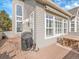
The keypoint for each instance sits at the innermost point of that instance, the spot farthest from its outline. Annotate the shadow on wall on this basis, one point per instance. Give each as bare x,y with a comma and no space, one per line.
71,55
6,56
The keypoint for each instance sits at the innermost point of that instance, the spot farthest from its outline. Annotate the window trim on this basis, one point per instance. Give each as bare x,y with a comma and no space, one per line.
16,11
65,23
22,5
19,9
58,27
22,26
54,28
71,26
48,37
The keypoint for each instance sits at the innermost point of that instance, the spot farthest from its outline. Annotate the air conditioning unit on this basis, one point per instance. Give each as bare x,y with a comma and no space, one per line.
26,40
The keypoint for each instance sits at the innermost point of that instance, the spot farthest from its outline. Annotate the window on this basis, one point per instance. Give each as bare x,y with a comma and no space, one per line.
19,12
19,18
58,26
65,26
78,24
19,26
49,25
54,27
72,26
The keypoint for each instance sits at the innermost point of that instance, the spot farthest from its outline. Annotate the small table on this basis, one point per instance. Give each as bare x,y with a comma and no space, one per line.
71,40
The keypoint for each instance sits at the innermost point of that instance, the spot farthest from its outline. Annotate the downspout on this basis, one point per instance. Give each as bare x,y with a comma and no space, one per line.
34,27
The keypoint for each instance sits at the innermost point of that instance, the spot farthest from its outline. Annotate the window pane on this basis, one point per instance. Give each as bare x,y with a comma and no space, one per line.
65,26
50,31
58,26
19,18
77,26
19,10
50,23
72,26
47,23
19,26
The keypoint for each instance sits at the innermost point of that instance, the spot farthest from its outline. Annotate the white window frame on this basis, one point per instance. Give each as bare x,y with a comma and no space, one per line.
54,28
66,28
77,24
48,37
21,26
22,5
58,27
71,26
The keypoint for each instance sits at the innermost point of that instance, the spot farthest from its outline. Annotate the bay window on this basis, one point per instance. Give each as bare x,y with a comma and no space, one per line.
55,26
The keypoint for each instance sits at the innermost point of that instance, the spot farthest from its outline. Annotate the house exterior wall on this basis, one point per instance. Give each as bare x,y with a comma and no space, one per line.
14,20
40,28
39,22
76,20
41,40
28,8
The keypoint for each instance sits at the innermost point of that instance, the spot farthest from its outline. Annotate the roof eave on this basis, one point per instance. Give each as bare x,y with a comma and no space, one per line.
53,5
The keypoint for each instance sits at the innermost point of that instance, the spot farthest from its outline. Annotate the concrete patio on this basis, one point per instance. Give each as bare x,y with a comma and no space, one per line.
11,50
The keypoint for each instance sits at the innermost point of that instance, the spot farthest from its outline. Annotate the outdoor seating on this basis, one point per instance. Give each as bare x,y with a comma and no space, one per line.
71,41
60,40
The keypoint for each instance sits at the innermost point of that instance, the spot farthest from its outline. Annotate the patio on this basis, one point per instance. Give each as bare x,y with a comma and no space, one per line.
11,50
70,40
